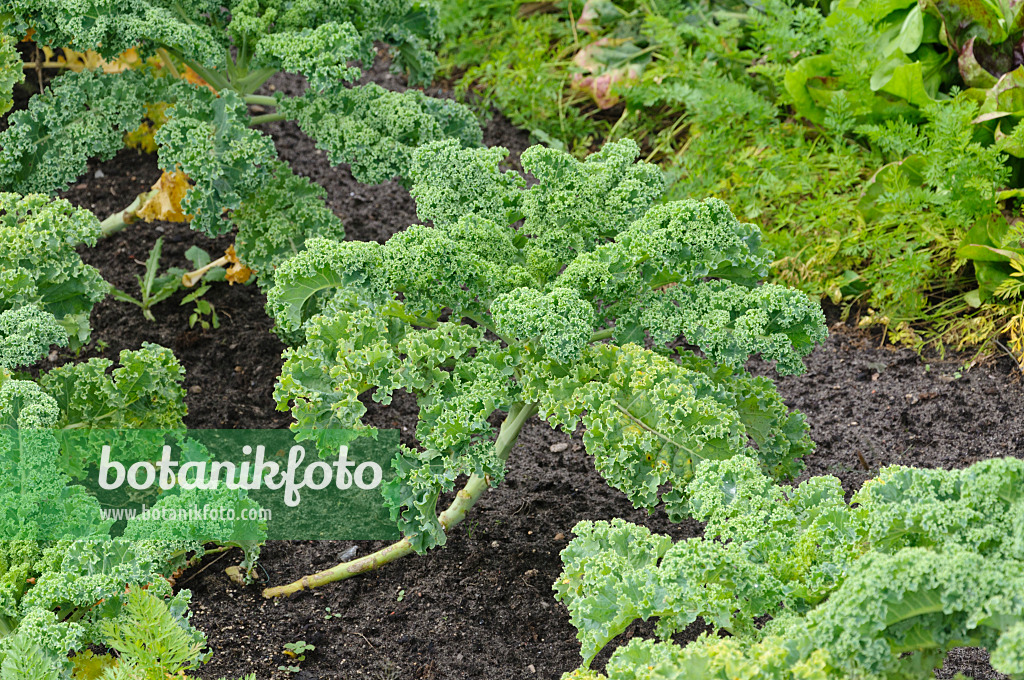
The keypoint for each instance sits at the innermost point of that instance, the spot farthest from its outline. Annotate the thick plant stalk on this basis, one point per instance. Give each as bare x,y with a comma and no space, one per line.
123,218
456,512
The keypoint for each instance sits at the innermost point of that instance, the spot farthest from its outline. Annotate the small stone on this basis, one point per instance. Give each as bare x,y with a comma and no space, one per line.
494,544
531,668
99,174
559,536
238,369
559,447
196,389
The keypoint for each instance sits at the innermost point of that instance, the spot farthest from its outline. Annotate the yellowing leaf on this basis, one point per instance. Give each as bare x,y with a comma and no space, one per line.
236,272
80,61
142,137
165,203
192,77
89,666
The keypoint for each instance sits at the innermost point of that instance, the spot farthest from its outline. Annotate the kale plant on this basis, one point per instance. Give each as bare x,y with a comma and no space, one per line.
882,586
544,300
212,57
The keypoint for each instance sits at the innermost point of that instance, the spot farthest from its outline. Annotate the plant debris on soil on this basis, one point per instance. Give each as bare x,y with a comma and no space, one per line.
482,607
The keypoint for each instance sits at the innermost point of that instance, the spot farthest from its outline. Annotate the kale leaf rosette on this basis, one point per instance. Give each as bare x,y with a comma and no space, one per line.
581,298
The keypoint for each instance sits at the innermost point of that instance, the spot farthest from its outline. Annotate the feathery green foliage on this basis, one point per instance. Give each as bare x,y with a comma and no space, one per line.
65,583
842,133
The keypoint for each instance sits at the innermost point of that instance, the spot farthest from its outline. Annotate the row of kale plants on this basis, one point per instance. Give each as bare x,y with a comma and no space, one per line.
568,302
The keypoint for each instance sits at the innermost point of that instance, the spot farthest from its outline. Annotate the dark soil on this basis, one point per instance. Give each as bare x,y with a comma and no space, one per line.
482,607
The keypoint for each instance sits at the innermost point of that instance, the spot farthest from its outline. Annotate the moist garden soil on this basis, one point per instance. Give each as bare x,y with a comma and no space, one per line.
482,607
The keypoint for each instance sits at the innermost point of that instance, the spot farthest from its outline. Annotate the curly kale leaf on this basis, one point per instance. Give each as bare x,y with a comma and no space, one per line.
38,502
350,352
275,224
420,263
919,601
344,355
305,283
189,534
24,405
321,54
375,130
561,322
209,138
111,27
590,253
848,593
450,182
144,392
575,205
730,322
651,421
39,265
410,27
978,509
79,117
11,72
26,335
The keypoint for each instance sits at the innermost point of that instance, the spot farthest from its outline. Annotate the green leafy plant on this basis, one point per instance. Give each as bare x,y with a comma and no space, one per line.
61,573
39,266
213,58
520,327
296,651
843,136
204,313
153,289
917,562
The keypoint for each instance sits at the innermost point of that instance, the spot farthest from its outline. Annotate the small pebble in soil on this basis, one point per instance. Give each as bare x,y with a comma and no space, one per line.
559,536
531,668
559,447
100,174
494,544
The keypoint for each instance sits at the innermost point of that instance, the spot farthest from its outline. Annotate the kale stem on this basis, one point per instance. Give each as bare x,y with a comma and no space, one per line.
165,57
266,118
122,218
517,416
260,99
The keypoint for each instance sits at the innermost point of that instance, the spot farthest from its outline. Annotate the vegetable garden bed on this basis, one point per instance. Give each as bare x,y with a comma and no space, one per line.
483,607
560,308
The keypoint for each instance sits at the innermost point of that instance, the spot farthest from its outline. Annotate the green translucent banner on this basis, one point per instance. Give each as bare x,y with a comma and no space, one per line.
227,486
